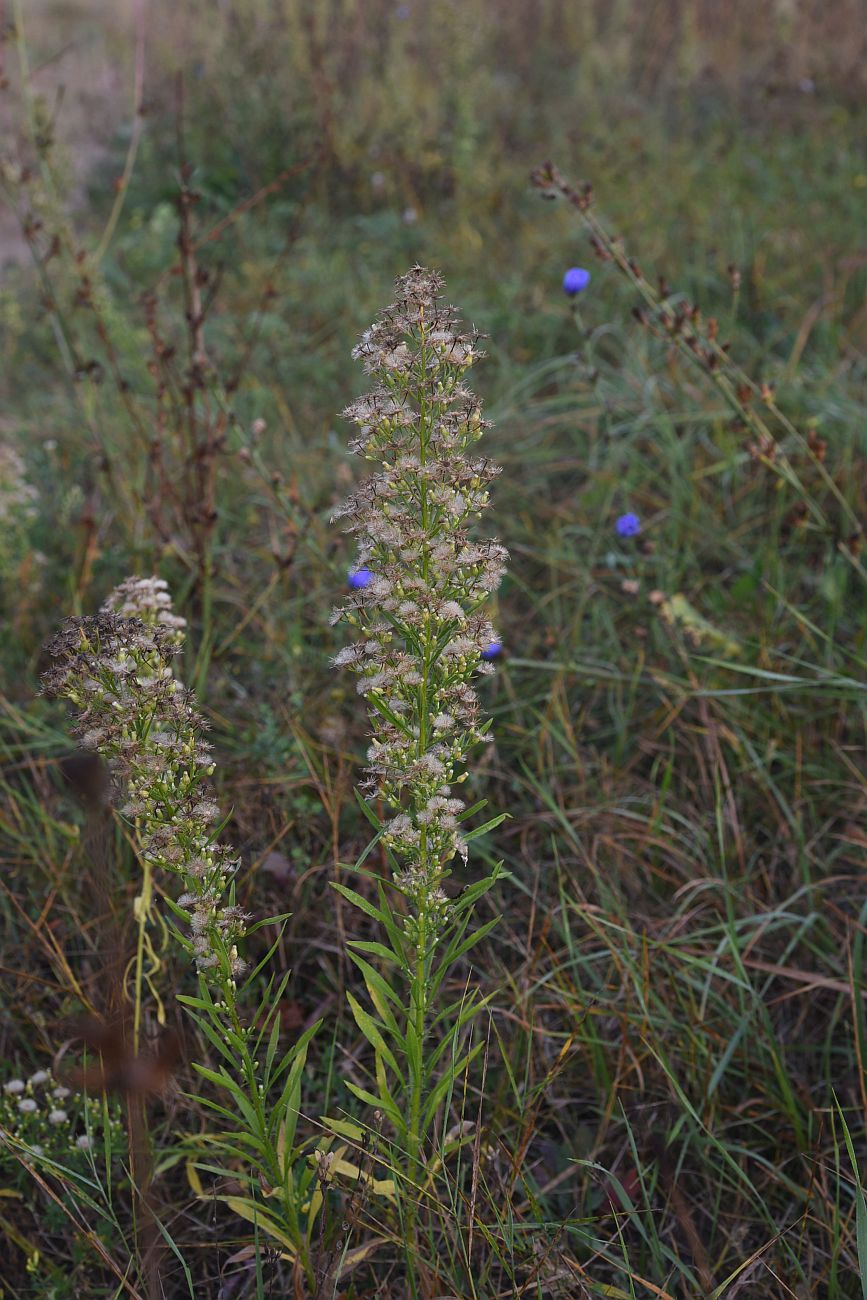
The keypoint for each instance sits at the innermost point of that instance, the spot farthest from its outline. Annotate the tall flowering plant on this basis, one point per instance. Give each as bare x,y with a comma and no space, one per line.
424,635
116,670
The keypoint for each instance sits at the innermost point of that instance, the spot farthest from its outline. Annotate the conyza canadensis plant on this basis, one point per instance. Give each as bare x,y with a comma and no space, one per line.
116,669
421,584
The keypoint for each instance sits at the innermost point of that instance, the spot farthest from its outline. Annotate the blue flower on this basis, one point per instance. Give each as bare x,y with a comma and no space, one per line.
575,280
492,650
628,525
360,578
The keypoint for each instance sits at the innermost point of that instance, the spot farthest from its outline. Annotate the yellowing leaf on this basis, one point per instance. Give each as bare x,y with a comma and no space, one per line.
313,1209
359,1254
381,1186
253,1214
194,1180
344,1128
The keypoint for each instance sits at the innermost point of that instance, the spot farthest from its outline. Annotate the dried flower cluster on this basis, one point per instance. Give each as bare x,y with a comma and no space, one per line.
422,610
116,669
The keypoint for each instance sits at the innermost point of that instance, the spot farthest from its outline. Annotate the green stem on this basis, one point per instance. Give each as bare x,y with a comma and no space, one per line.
417,1079
142,914
419,1011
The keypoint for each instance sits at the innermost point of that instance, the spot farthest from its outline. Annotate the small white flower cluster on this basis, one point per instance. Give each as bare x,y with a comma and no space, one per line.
50,1119
116,669
422,611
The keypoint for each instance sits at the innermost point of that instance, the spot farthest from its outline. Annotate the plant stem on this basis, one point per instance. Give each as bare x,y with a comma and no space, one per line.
142,914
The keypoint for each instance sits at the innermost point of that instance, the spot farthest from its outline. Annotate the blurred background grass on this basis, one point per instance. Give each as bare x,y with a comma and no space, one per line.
683,933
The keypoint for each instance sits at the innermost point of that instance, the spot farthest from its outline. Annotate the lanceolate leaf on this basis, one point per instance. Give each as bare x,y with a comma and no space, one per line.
381,993
452,1074
359,901
375,949
453,954
469,1009
483,830
253,1213
373,1034
381,1103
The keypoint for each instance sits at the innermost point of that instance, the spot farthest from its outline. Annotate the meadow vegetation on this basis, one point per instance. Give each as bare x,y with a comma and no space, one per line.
638,1069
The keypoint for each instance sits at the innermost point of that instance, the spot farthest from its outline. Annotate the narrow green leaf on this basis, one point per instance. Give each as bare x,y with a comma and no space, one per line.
260,965
386,1093
358,901
376,702
268,920
378,1103
368,811
860,1203
474,892
447,1081
373,1034
393,930
187,1001
226,1082
297,1049
375,949
454,954
211,1105
412,1047
381,993
215,1037
221,1079
272,1047
483,830
471,811
468,1011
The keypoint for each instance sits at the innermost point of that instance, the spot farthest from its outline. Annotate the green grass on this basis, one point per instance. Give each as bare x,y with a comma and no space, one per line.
671,1098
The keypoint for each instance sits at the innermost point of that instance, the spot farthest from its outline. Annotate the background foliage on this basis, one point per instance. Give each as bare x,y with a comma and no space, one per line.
672,1095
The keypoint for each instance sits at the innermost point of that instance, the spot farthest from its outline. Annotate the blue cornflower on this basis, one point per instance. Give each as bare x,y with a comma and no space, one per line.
360,578
628,525
492,650
575,280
